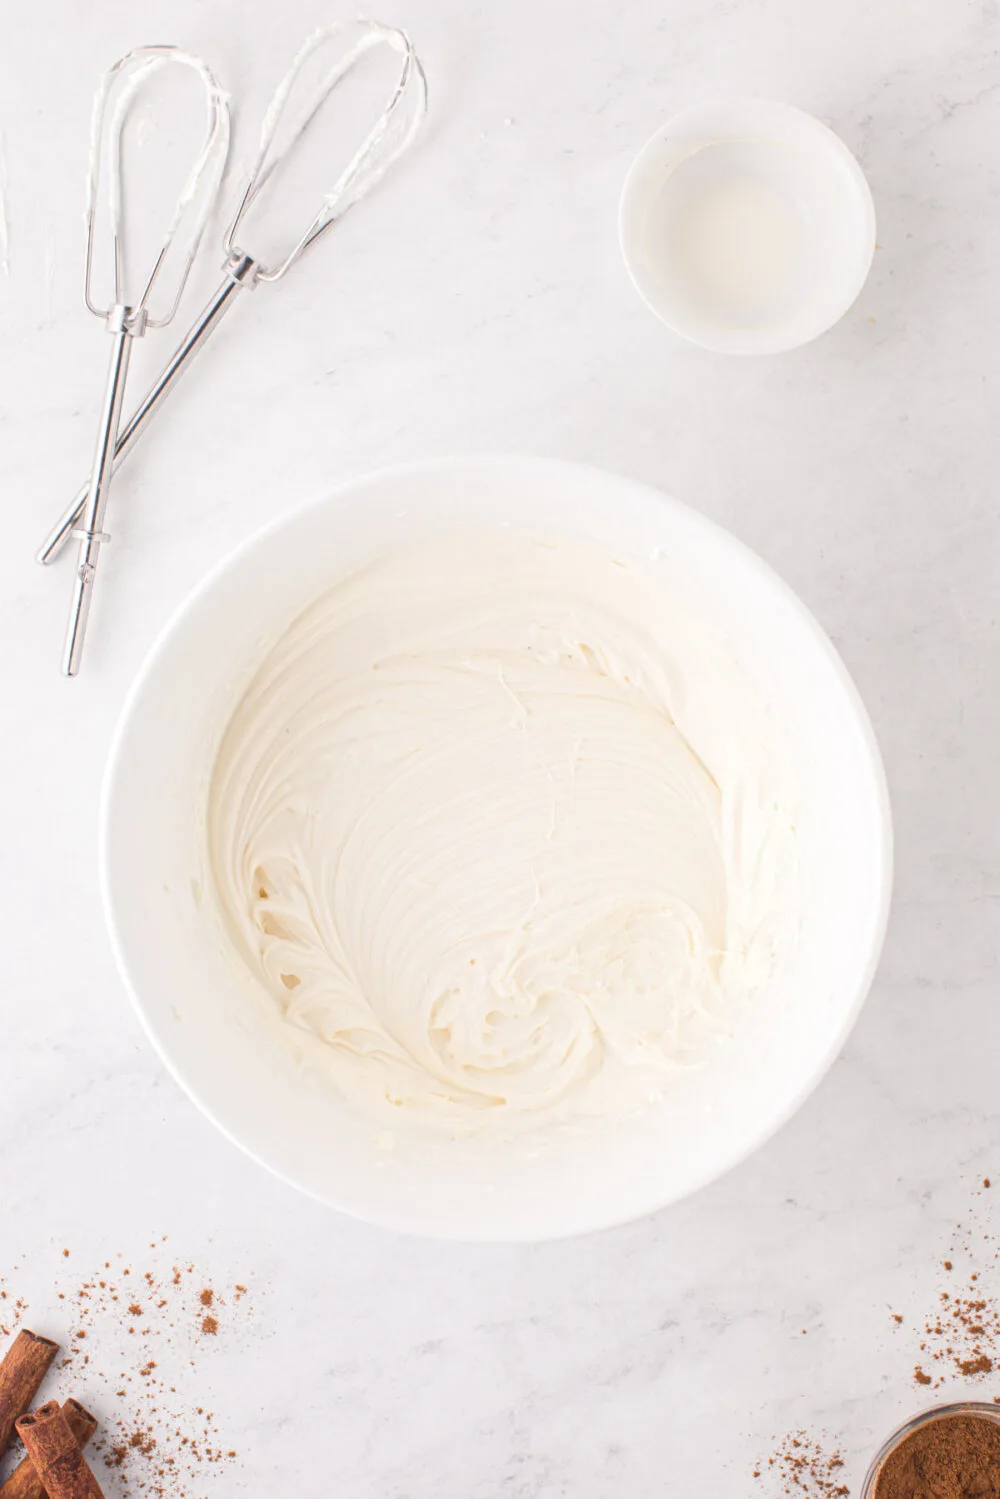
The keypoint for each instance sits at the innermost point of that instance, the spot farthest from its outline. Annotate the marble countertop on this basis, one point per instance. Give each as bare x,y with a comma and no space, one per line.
478,302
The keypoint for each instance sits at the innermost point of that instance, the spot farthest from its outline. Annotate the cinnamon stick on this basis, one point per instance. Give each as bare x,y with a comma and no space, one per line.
21,1372
55,1455
24,1482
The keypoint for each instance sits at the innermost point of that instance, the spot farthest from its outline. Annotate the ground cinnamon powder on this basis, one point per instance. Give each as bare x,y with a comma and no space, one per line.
954,1457
805,1468
155,1441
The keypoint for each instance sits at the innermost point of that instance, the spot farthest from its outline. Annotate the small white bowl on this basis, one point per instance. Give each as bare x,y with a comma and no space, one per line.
233,1056
747,226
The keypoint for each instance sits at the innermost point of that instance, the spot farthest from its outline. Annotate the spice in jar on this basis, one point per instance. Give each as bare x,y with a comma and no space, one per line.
949,1457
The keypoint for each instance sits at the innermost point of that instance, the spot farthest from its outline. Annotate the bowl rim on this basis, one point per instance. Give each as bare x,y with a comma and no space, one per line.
780,338
400,1220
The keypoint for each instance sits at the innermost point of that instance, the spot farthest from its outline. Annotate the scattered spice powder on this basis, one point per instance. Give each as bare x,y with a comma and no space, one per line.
953,1457
960,1339
804,1467
157,1445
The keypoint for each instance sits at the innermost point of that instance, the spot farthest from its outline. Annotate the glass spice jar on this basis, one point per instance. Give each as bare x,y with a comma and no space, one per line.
977,1408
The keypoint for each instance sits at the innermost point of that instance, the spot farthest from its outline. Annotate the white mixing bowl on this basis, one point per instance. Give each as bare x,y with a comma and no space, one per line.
190,991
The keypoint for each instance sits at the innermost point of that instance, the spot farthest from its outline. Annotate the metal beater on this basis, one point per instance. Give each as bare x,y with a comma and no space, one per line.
127,320
388,139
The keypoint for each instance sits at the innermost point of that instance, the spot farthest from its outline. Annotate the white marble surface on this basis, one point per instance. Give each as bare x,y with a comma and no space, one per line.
479,303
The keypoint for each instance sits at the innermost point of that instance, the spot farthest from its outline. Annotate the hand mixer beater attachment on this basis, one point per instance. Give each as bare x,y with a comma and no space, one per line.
128,319
290,113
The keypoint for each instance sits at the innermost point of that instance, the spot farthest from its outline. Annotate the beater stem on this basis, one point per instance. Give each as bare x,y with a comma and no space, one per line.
123,325
240,272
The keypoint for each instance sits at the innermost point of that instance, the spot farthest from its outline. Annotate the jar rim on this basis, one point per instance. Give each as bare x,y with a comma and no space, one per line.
985,1409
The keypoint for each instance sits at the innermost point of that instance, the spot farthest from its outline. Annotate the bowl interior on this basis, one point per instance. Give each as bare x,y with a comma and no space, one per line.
747,226
200,1008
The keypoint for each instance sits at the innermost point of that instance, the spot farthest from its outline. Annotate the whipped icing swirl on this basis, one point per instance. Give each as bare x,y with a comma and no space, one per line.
462,835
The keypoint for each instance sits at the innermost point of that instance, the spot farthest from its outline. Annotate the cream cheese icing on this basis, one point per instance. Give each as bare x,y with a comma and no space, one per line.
504,832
